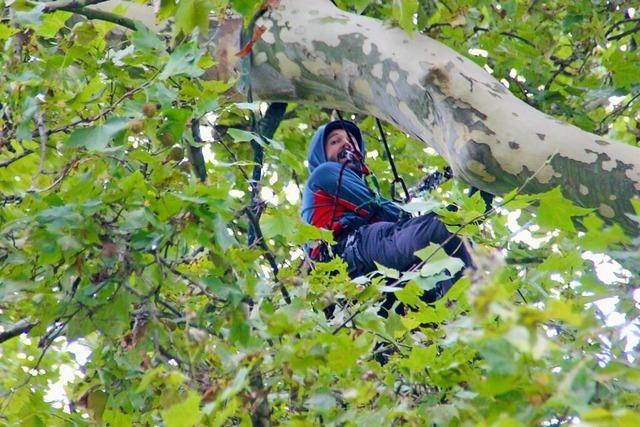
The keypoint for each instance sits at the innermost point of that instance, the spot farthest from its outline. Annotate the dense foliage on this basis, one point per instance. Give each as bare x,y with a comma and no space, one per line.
125,231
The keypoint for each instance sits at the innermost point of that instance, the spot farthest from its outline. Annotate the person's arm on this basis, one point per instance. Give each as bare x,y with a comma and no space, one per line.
353,193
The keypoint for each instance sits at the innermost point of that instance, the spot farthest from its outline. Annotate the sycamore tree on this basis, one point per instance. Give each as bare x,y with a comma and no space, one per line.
151,164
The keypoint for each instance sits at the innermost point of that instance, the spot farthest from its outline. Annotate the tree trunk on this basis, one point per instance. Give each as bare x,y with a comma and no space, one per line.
315,53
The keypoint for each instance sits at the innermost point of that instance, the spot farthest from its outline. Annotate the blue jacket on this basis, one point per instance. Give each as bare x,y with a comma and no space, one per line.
355,203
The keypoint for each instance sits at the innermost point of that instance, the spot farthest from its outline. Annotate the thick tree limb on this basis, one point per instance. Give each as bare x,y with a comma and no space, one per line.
313,52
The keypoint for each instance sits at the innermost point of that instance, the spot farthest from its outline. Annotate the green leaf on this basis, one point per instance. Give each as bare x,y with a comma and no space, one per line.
420,358
117,419
6,31
191,14
410,294
97,138
246,8
184,414
277,223
175,124
52,23
240,332
224,238
183,61
239,135
403,12
555,211
146,40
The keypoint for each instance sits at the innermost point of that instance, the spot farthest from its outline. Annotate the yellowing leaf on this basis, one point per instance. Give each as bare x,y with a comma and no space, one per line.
184,414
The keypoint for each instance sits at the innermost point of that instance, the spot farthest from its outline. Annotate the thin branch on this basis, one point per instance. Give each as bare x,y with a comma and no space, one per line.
22,327
102,114
349,319
505,33
8,162
42,130
102,15
619,23
624,34
52,6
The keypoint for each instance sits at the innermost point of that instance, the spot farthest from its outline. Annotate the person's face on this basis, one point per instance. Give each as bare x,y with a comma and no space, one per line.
336,143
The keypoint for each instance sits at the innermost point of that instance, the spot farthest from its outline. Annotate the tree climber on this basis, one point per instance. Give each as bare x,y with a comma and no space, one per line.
367,227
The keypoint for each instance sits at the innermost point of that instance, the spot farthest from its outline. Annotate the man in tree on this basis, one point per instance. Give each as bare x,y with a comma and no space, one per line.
368,228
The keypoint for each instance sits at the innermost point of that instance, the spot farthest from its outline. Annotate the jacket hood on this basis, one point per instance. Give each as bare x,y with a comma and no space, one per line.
316,155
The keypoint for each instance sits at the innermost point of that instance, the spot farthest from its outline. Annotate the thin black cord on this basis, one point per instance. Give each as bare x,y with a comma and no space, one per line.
396,176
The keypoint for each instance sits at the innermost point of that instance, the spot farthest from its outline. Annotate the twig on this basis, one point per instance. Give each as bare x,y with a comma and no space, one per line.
505,33
74,162
616,113
235,159
192,282
343,324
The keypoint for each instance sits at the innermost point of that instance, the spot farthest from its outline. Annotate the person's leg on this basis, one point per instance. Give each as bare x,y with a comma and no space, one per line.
394,244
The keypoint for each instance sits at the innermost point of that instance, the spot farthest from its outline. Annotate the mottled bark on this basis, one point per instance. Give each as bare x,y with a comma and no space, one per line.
315,53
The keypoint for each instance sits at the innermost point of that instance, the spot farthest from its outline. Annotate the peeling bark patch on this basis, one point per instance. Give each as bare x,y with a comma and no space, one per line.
287,67
606,211
260,58
376,71
583,189
514,145
438,77
602,142
268,37
479,169
541,136
481,127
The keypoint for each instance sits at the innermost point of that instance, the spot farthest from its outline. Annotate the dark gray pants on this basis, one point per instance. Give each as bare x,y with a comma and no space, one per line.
393,244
